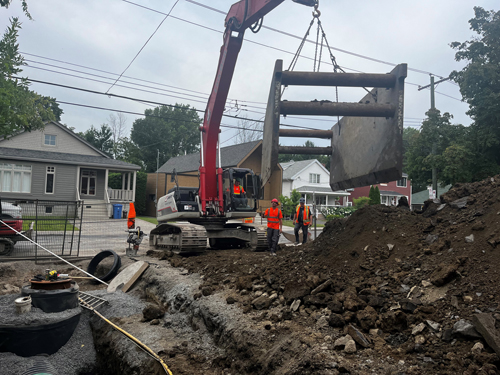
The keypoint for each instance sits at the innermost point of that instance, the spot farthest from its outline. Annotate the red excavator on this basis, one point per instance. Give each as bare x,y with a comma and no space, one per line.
208,209
366,144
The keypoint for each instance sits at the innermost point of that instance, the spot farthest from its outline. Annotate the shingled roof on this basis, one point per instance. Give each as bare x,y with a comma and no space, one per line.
64,158
231,157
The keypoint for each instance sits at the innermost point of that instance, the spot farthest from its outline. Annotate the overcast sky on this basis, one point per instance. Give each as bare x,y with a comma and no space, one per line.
179,62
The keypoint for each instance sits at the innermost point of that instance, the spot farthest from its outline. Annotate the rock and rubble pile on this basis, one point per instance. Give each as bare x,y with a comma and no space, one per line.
419,287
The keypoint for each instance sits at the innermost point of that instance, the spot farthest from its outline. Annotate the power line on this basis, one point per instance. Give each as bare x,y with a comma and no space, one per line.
144,45
147,101
289,35
156,88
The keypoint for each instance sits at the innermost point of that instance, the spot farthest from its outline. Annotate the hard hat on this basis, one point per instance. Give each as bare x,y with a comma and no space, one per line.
274,201
302,200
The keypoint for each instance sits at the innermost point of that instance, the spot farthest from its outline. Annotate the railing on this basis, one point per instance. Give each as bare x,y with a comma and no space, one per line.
120,195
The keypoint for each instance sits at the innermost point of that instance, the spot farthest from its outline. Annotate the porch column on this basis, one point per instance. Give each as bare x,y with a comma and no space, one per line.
129,175
106,195
123,181
134,185
78,183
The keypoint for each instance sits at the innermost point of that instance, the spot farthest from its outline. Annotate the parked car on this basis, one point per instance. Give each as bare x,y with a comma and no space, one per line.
11,215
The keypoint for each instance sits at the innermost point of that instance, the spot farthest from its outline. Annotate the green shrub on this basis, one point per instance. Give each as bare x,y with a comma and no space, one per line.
361,202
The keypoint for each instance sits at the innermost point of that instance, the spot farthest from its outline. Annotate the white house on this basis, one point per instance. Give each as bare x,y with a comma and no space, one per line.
311,178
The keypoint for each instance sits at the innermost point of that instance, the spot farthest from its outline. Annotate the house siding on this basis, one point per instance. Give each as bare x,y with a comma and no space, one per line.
64,184
364,191
35,141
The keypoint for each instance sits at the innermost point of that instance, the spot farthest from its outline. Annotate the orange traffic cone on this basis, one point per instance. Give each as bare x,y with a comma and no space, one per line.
131,216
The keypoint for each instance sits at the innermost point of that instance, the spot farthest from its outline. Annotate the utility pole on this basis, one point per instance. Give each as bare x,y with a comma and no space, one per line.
157,167
434,145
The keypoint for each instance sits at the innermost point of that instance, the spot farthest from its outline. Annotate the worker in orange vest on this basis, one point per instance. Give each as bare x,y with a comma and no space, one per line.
274,225
239,194
301,219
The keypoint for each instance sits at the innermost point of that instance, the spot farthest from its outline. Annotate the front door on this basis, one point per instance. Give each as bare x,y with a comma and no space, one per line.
88,182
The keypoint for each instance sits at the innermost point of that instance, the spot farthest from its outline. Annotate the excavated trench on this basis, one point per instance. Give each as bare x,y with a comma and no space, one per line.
199,333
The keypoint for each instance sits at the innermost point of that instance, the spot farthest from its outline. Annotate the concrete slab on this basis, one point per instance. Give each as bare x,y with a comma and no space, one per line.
128,276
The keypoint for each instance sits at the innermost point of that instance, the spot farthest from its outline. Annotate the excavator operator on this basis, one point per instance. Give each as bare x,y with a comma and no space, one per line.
239,194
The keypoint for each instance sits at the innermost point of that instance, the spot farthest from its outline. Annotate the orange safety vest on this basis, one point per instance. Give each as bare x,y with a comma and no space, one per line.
273,217
238,189
306,214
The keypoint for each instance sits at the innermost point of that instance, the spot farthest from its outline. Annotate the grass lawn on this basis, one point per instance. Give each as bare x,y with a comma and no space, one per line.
149,219
289,223
46,224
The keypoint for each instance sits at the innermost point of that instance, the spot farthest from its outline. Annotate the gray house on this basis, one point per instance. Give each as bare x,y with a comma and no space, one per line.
57,165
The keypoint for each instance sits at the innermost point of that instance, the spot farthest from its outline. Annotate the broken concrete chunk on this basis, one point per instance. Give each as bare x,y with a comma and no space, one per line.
358,336
426,283
341,342
420,340
460,203
295,305
435,326
323,287
477,348
350,347
418,329
390,246
485,324
469,239
466,329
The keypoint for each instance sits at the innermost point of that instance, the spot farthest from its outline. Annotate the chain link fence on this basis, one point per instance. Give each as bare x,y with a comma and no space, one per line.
68,229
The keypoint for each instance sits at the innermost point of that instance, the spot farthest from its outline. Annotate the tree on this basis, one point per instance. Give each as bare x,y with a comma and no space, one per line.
99,138
171,130
118,127
479,83
20,108
427,147
250,131
6,3
376,195
323,159
371,195
128,151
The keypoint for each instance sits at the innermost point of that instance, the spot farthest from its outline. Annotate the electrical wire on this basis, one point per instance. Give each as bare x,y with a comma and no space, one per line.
144,45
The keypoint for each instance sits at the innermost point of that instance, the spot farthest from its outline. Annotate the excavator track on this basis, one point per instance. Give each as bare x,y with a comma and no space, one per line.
261,237
181,238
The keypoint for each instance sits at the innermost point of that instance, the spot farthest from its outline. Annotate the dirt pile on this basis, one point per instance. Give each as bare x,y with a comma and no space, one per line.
385,282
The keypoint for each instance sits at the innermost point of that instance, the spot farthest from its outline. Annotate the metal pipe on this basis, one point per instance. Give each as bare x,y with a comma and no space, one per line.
299,133
338,79
337,109
201,149
305,150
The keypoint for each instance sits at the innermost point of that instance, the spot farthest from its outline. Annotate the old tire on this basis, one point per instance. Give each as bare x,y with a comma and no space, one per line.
117,263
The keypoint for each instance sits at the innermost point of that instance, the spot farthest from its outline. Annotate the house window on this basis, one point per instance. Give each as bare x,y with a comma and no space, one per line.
401,183
49,180
321,200
383,199
48,209
314,178
15,178
50,140
88,182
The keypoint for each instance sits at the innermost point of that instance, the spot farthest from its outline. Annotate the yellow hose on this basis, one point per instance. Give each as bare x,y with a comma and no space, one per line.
140,344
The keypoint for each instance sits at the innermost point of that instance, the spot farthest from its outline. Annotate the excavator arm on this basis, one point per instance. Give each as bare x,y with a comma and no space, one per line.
241,16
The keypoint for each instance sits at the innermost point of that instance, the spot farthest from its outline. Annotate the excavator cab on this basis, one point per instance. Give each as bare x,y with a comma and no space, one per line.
241,190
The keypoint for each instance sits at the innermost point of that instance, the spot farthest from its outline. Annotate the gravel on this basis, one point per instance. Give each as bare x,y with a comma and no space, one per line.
78,356
9,316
